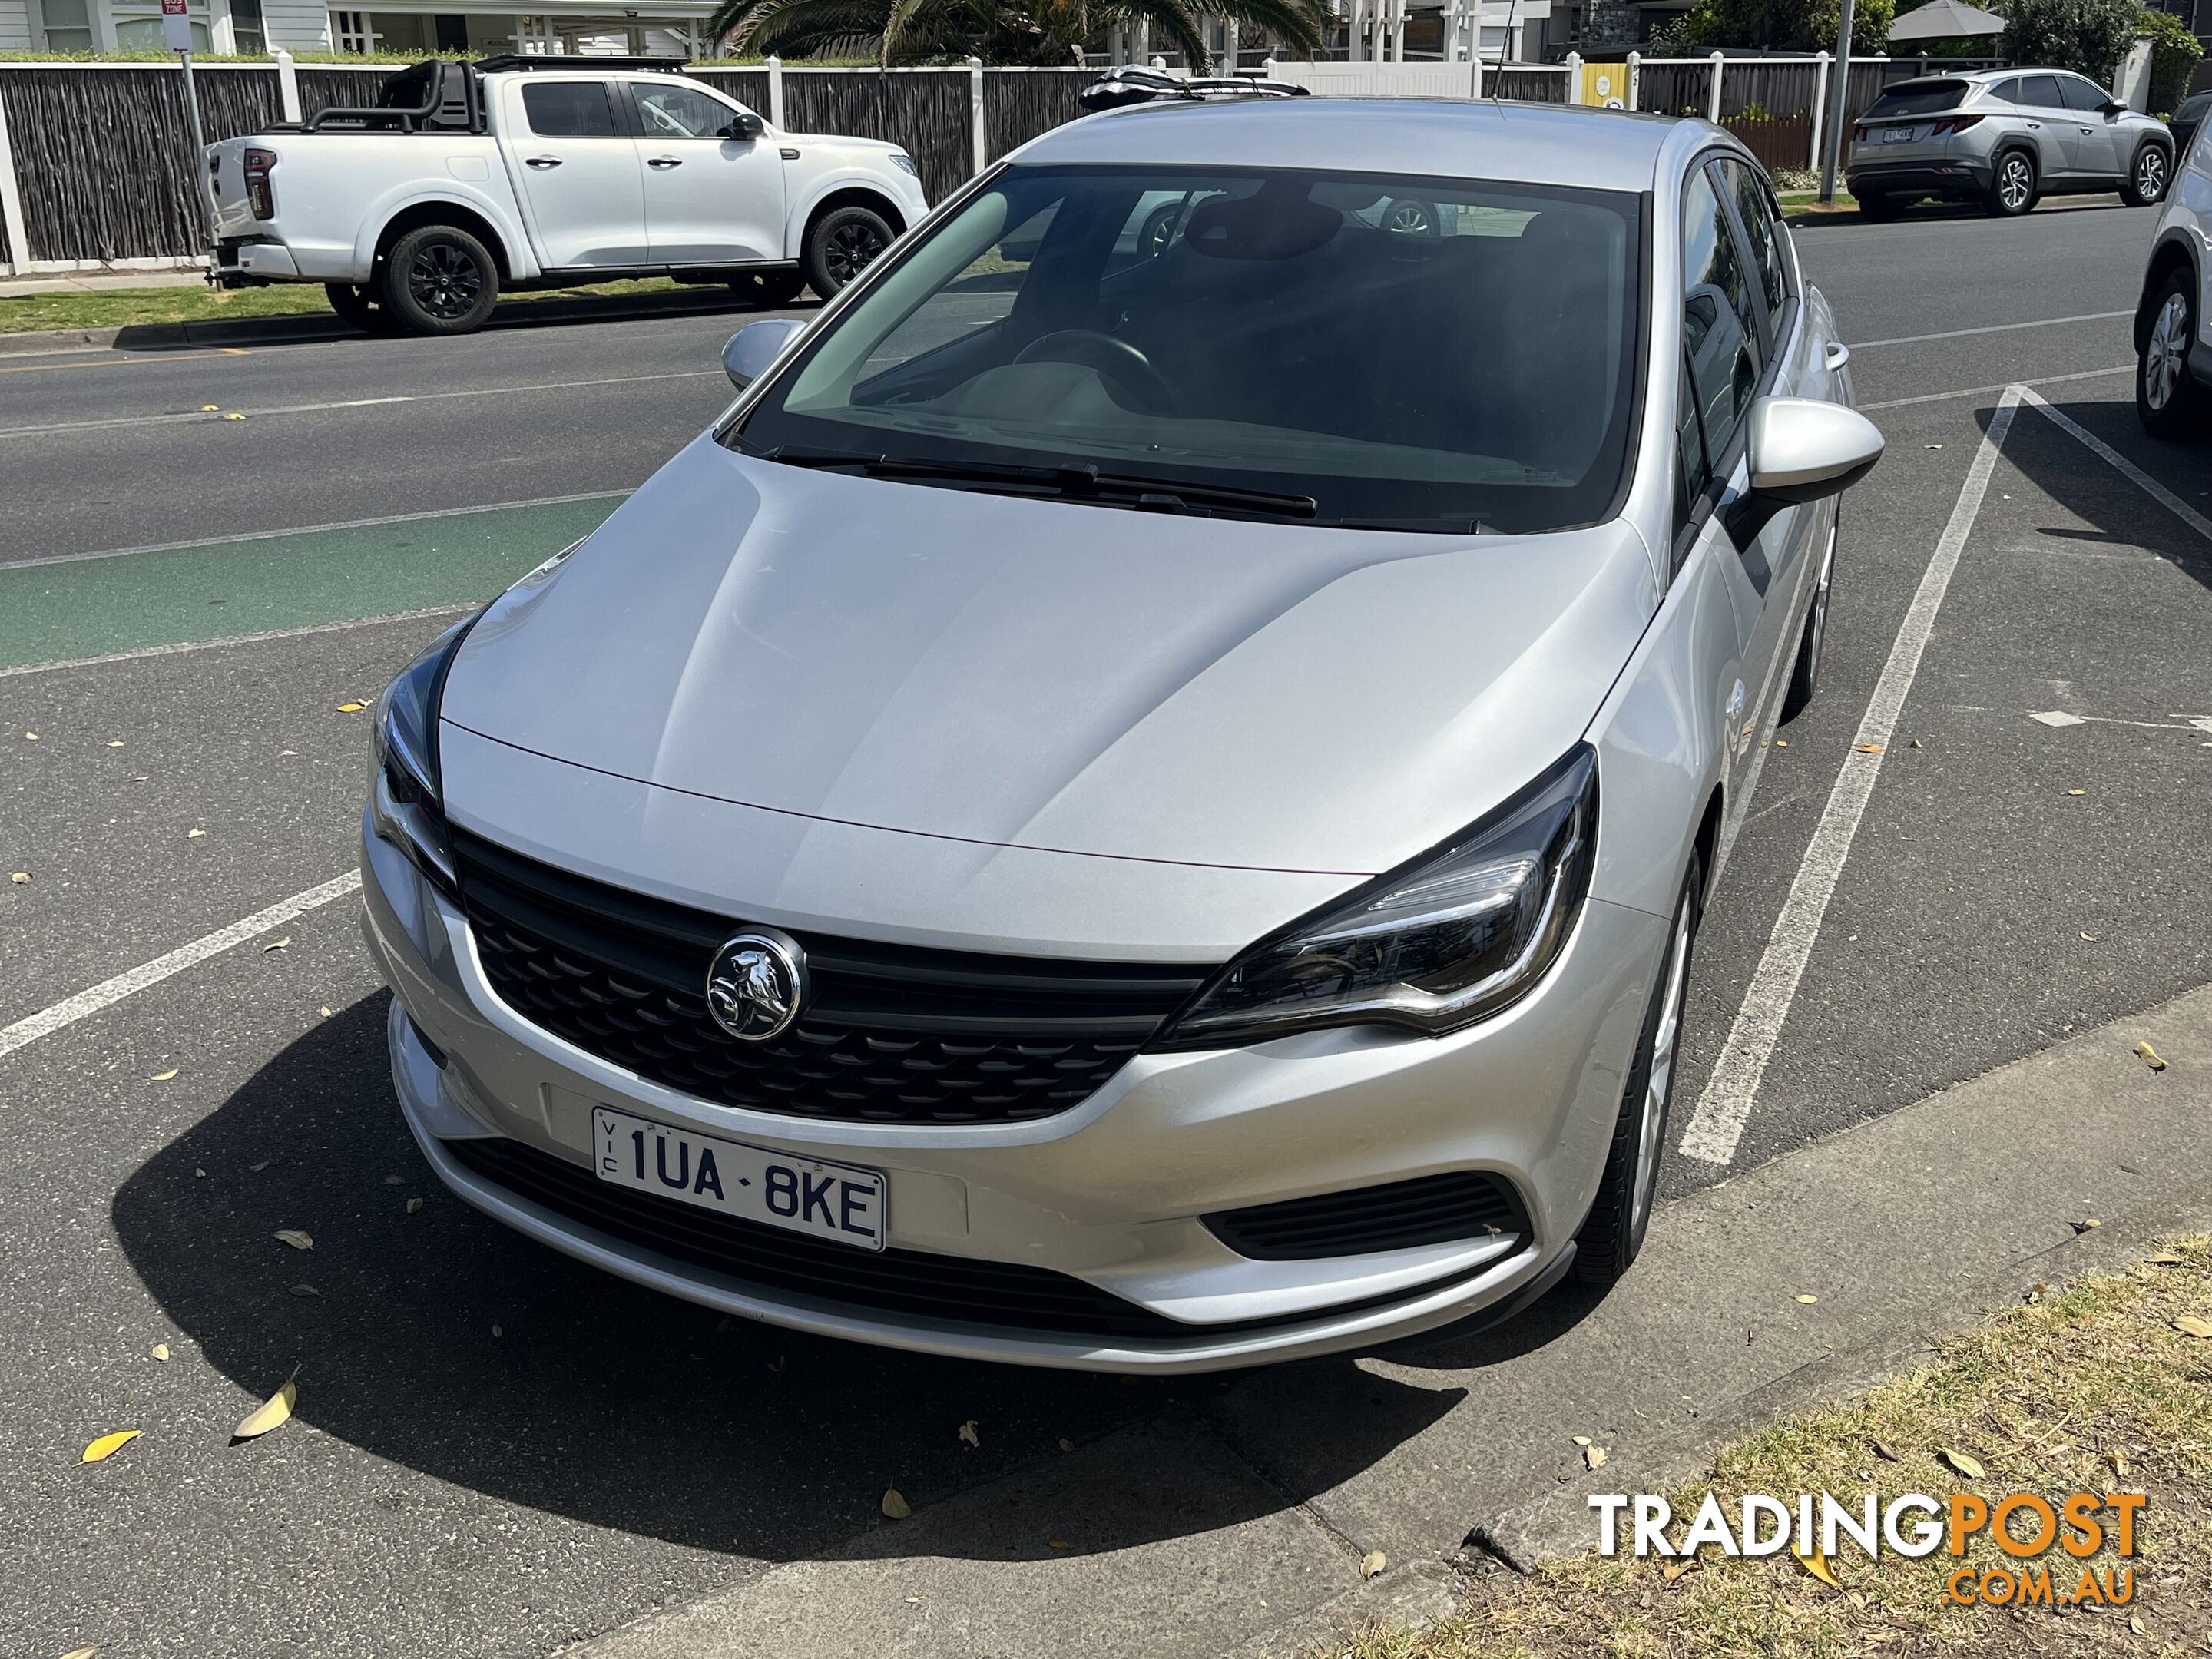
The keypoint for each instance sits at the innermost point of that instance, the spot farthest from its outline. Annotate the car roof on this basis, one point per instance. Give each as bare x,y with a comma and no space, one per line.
1468,139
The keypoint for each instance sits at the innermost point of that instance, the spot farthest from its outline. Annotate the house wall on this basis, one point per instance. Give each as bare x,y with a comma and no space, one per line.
16,26
297,25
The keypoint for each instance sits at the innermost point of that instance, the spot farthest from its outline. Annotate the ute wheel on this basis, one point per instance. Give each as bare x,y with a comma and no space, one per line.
1614,1232
1805,679
769,288
2168,401
1879,208
438,279
842,244
353,304
2012,190
2146,183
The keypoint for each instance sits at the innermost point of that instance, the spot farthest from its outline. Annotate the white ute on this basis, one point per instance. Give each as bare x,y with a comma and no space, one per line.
468,180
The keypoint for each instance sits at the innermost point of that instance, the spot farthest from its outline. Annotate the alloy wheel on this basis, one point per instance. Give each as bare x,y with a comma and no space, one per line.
2150,173
444,280
1411,218
2014,182
853,247
2166,353
1660,1078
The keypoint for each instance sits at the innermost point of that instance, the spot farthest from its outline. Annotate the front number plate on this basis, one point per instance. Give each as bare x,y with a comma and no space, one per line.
829,1201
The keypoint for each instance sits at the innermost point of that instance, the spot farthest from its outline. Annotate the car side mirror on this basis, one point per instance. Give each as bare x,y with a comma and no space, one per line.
2112,106
747,125
754,348
1799,450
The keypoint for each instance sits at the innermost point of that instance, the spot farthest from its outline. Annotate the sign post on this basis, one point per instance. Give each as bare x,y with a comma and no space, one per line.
1839,90
177,35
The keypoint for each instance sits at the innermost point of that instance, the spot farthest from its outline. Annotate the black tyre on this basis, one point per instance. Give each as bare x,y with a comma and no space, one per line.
1612,1234
2168,401
769,288
2012,186
843,243
353,304
1805,679
1879,208
1409,216
2149,175
438,279
1157,234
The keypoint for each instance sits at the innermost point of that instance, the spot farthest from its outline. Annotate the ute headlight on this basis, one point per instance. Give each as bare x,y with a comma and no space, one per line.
903,162
1457,935
405,796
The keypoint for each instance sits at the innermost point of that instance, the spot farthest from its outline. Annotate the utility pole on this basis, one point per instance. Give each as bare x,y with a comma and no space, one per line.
177,35
1839,89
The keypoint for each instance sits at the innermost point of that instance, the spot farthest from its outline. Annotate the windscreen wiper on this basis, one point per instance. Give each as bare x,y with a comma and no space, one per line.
1079,482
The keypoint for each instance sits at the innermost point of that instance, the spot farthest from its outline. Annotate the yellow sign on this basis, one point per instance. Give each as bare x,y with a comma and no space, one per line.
1605,85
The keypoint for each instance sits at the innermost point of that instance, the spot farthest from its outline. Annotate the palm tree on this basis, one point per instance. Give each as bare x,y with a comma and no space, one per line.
997,31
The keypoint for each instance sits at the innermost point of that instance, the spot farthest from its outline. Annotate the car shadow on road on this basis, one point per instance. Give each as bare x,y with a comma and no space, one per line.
436,1338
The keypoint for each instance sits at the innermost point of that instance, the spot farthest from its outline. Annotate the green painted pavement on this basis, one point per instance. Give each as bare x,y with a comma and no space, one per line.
175,596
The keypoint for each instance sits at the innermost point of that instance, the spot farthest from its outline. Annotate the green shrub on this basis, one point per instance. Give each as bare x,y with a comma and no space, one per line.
2089,37
2175,55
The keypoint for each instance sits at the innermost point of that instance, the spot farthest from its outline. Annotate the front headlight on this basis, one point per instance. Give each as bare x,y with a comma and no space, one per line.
406,794
903,162
1454,937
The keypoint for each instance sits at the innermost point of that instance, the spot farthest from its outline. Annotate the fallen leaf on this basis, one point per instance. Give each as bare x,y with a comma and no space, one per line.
2150,1057
1058,1544
2057,717
2164,1259
1871,748
1582,1440
80,1653
1935,446
351,707
1817,1565
1372,1563
2137,1625
1670,1571
2037,1292
256,1168
194,835
305,1289
2091,937
233,418
162,1077
895,1504
202,1174
33,735
277,944
497,1331
107,1445
1066,1444
2119,1461
295,1238
968,1434
1969,1467
2077,792
2193,1325
326,1014
273,1413
1593,1457
1809,1298
115,743
1883,1451
414,1206
209,409
160,1352
22,877
2085,1226
395,1181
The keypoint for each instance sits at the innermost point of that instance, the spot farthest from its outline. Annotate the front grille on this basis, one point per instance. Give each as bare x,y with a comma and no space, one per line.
1430,1210
911,1284
891,1034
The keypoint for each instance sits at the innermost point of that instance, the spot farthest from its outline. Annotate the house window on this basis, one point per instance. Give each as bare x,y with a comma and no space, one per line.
68,25
351,31
247,33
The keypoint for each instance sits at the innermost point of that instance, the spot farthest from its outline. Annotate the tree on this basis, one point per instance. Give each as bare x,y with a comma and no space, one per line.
997,31
2174,56
2089,37
1775,26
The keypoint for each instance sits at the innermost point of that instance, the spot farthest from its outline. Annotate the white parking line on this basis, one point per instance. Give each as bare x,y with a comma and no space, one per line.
1993,328
2150,486
1983,391
427,612
109,992
1717,1124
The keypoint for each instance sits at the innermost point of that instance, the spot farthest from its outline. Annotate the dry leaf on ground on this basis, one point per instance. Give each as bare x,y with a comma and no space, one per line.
162,1077
1871,748
2193,1325
2164,1259
2150,1057
1818,1565
968,1434
194,835
1965,1465
295,1238
80,1653
1809,1298
1593,1457
160,1352
273,1413
277,944
895,1504
1670,1571
20,878
414,1205
107,1445
1883,1451
1372,1563
351,707
2120,1465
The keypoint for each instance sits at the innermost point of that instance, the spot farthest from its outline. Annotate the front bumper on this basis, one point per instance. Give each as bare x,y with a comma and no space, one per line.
1110,1192
1933,176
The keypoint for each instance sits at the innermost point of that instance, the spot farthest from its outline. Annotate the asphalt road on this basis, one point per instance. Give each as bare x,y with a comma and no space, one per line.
498,1450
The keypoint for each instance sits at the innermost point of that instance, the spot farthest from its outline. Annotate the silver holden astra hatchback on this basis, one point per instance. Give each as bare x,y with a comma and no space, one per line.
1141,800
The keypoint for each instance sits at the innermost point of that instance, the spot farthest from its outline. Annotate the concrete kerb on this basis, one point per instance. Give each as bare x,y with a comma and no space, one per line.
1907,1227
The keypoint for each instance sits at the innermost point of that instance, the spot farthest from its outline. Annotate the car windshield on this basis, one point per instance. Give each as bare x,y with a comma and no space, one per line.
1334,349
1917,98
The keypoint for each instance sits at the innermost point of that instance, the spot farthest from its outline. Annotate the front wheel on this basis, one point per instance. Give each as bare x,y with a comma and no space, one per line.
2168,401
842,244
2012,190
2146,179
1805,679
1614,1233
438,279
768,287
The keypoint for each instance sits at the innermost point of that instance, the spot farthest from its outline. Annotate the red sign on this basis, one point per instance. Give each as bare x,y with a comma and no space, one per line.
172,7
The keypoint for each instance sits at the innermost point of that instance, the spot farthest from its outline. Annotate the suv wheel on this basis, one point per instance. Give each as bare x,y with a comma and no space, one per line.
2148,179
1614,1232
2168,399
768,287
1879,208
843,245
2012,192
438,279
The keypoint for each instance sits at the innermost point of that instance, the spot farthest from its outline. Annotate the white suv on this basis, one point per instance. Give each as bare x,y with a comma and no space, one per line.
2173,323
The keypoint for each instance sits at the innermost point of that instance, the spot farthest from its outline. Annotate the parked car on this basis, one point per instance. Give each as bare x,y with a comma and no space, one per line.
465,181
2005,138
1137,809
2173,319
2187,116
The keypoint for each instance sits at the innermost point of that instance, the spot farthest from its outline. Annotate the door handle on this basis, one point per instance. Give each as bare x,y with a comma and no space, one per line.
663,162
1838,353
542,161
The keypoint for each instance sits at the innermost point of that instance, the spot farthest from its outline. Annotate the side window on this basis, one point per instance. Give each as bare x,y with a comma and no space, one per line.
2040,92
673,112
1691,473
1755,208
570,109
2080,94
1718,319
2004,92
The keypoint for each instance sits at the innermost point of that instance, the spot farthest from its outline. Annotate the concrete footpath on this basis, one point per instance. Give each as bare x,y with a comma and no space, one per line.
1903,1228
